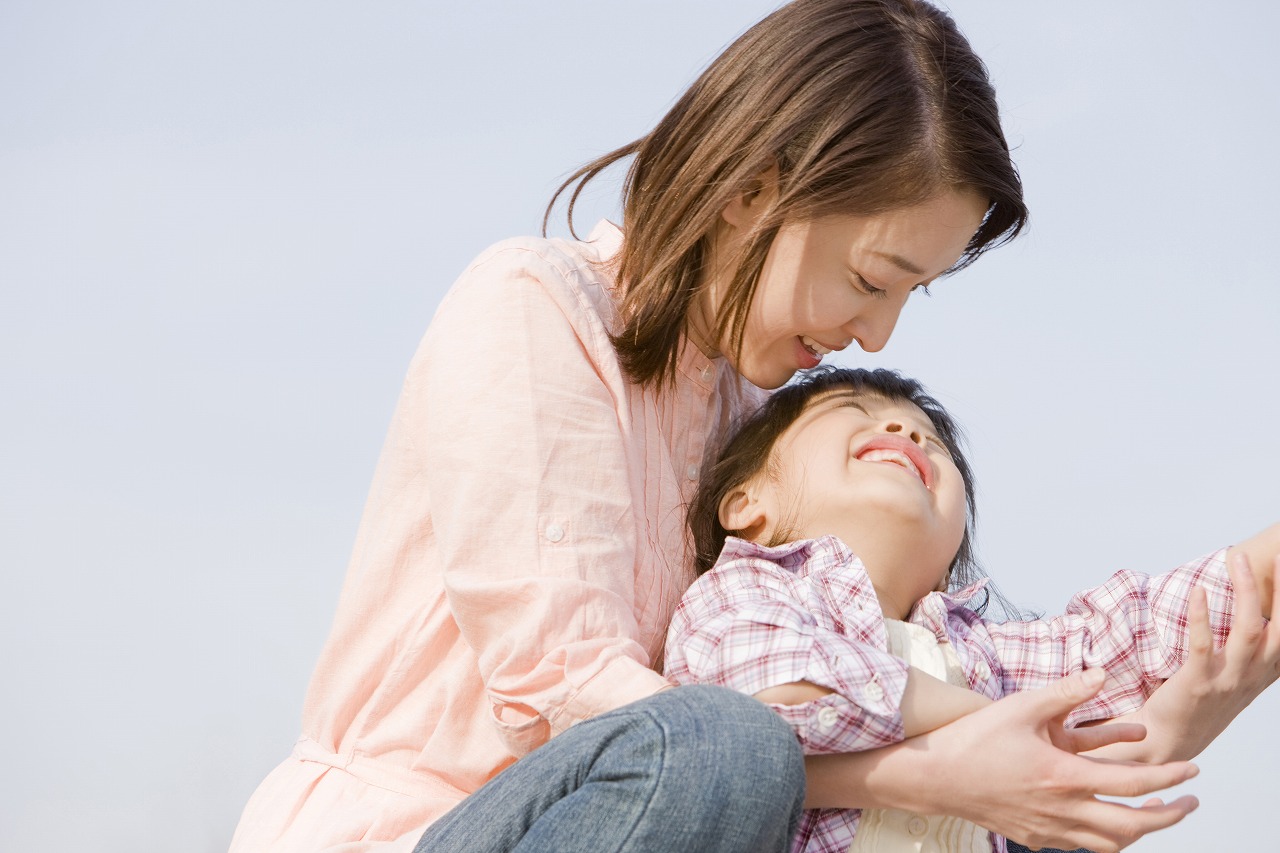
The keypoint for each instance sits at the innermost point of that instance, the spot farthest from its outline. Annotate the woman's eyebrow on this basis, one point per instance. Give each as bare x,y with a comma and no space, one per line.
899,262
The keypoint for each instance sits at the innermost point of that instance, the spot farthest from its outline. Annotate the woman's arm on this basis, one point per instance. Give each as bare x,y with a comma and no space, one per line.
1014,769
512,413
1262,550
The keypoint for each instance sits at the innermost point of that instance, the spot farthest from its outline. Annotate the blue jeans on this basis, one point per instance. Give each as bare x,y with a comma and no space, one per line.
693,768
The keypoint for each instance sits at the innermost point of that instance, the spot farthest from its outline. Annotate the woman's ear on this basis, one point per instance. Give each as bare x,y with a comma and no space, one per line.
744,210
743,514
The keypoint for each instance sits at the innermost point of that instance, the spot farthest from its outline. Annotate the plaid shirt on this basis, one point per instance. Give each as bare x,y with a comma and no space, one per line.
806,611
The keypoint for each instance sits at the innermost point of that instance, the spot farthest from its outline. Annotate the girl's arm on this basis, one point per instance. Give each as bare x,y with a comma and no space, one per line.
809,640
1133,627
1014,769
927,703
813,632
1194,706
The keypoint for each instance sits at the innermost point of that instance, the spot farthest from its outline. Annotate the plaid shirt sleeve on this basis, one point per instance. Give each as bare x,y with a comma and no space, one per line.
1134,626
805,611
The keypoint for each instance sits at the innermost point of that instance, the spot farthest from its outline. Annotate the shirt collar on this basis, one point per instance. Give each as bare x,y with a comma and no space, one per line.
787,554
606,239
791,553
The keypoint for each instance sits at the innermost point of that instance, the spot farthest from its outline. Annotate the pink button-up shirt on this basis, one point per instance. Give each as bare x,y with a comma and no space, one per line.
521,553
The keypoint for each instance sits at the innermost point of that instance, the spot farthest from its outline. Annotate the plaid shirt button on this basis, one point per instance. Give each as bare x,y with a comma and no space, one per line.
827,717
873,692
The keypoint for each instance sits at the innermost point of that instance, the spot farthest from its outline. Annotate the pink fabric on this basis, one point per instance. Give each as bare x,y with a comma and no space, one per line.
806,611
520,555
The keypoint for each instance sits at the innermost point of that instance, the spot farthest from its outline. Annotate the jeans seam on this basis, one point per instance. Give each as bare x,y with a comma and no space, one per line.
656,780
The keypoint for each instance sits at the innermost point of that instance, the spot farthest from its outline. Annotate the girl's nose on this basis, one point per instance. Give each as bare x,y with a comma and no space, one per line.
903,429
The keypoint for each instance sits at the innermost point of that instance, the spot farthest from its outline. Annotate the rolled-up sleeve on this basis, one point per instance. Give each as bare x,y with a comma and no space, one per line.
1134,626
531,490
751,624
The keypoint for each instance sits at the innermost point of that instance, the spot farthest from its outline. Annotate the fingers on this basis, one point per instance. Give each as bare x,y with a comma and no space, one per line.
1199,634
1056,700
1132,780
1085,738
1247,624
1271,633
1114,826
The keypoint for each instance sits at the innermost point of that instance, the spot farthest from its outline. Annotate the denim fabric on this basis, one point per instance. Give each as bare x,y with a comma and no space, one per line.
1015,847
696,768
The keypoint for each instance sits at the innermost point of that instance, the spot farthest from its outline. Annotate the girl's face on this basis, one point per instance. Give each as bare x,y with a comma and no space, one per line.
829,282
874,473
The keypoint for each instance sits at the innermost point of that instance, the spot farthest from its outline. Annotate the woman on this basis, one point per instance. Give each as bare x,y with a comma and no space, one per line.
523,545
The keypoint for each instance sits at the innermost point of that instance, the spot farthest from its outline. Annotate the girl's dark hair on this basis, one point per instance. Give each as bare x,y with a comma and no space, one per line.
748,451
865,106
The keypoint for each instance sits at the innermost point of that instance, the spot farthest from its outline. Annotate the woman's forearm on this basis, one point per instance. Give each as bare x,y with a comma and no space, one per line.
1012,768
879,778
1262,550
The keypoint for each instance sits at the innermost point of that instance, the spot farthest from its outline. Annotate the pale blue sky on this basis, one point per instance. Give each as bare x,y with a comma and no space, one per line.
224,226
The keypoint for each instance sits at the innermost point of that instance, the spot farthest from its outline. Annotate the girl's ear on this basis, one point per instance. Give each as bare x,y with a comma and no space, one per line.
745,208
743,514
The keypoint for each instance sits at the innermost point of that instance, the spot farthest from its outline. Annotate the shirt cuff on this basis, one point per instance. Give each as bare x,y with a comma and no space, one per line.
836,724
621,682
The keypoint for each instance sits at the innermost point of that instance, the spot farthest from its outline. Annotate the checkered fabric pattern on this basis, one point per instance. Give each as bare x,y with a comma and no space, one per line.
806,611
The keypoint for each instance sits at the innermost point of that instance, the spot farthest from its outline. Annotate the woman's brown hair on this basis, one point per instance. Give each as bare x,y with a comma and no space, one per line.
865,106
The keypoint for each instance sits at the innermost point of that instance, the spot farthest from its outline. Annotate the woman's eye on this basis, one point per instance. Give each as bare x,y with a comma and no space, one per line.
924,288
868,288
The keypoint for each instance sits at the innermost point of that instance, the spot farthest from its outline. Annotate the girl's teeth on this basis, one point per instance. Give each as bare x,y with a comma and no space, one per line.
889,456
817,348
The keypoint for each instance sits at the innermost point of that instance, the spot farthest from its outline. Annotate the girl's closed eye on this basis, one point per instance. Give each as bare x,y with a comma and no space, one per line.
939,444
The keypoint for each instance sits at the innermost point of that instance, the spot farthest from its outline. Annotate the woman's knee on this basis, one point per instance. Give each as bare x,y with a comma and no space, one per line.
731,744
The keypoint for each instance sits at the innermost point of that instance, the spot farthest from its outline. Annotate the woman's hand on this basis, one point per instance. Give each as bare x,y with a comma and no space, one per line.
1015,769
1213,686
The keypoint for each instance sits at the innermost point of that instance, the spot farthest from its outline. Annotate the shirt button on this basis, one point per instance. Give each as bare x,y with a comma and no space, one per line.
873,692
981,670
707,373
555,532
827,717
917,825
692,471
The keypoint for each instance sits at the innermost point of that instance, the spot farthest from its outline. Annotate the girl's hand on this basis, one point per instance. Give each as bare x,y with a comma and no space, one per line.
1013,768
1213,686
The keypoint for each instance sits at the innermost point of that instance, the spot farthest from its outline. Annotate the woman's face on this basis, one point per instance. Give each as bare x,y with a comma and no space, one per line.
829,282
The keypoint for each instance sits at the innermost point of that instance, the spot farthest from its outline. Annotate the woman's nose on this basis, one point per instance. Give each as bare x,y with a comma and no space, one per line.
872,331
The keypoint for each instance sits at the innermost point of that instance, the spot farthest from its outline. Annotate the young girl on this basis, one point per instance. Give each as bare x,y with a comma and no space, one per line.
523,545
845,594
